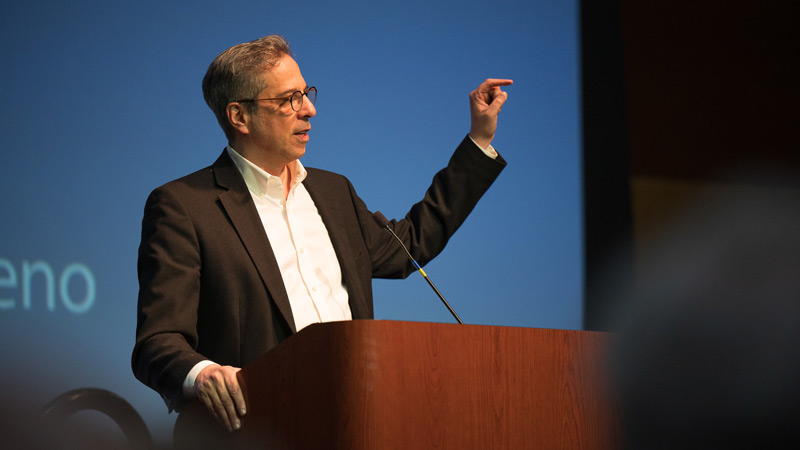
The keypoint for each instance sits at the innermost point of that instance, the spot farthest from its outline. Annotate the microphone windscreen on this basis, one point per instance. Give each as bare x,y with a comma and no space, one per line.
380,219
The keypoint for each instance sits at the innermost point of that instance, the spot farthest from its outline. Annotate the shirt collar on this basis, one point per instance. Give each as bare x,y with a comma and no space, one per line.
258,180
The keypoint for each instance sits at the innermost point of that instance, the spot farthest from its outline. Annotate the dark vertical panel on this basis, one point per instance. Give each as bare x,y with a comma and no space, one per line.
607,217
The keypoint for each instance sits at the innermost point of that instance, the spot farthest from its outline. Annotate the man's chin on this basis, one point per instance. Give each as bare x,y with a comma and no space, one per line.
299,152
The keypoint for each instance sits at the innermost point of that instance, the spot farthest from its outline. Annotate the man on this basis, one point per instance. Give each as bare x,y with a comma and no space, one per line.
238,256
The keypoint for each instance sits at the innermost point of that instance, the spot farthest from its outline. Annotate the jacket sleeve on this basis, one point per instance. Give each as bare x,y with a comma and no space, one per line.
430,223
169,284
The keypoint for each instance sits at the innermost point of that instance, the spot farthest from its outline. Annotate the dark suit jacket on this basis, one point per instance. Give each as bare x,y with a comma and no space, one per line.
209,285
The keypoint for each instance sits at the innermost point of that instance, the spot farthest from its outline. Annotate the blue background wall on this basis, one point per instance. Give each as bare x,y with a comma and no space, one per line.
101,103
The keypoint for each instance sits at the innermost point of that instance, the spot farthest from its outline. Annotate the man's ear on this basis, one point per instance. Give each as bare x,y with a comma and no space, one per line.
238,117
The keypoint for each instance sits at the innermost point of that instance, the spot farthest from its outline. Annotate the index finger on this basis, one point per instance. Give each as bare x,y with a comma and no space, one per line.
492,83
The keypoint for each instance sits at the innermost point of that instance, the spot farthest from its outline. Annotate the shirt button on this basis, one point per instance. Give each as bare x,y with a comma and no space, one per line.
302,250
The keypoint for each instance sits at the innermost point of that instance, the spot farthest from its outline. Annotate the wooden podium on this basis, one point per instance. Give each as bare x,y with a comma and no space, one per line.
409,385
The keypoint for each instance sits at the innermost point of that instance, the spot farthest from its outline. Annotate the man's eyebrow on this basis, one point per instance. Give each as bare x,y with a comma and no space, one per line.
291,91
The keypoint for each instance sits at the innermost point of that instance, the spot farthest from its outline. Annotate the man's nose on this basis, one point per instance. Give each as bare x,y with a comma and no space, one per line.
307,109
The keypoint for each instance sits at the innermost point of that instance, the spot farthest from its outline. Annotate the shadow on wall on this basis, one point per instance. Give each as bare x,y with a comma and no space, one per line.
707,353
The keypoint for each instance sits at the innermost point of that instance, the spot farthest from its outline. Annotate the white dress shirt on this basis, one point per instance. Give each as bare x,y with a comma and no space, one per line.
301,244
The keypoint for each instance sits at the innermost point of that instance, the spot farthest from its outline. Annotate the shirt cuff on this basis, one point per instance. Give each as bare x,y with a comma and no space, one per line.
188,382
489,151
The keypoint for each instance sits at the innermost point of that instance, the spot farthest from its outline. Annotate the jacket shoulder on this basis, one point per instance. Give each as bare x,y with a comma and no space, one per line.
221,170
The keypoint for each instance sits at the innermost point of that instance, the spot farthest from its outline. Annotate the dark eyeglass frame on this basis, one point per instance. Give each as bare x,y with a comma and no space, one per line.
291,98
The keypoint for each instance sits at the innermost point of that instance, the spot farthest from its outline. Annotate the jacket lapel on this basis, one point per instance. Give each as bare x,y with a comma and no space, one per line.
239,207
328,205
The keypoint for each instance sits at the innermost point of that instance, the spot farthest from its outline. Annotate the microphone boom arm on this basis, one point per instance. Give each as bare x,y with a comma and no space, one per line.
381,220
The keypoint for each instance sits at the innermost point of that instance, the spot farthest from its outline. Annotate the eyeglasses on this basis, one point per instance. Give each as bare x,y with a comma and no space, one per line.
296,99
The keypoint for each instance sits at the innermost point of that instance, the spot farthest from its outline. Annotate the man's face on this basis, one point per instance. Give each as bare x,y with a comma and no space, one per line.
280,133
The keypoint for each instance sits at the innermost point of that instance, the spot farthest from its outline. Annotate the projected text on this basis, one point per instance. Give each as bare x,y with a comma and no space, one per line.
36,285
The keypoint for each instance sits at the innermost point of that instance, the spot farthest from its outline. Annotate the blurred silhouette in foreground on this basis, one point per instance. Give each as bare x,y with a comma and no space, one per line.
87,418
707,351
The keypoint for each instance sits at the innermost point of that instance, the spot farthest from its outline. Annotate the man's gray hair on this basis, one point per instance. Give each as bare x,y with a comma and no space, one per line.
237,73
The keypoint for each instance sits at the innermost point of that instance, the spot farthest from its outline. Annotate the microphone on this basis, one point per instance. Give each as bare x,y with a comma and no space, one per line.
381,220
